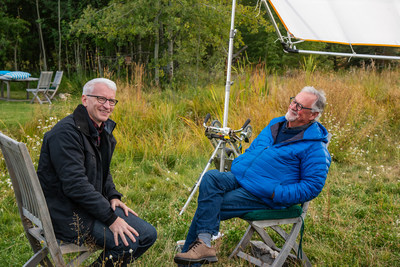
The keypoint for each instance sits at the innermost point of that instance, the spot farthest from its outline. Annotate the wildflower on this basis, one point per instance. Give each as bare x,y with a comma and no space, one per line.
131,251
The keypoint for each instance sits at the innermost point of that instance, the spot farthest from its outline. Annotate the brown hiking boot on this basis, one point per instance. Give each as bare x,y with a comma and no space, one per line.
198,253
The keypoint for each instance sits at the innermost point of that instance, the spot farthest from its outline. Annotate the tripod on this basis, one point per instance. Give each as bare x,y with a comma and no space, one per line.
219,136
227,146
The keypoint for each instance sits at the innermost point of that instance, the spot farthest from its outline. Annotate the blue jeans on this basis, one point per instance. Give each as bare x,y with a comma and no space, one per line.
220,198
105,239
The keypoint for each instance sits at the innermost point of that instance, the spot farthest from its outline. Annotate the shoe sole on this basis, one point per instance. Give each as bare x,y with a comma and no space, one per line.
205,260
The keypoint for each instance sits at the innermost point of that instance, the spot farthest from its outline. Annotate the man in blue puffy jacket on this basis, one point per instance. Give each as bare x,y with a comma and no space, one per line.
286,164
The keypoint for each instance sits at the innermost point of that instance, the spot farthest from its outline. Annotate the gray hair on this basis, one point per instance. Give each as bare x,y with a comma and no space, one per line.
320,103
89,86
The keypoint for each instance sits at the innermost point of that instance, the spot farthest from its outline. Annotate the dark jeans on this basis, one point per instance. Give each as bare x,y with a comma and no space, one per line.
105,239
220,198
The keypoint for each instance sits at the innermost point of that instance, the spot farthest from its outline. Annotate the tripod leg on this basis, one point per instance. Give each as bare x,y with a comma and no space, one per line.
222,158
201,177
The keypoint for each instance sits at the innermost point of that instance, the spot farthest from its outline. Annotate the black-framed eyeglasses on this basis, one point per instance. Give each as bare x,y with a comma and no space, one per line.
298,105
103,100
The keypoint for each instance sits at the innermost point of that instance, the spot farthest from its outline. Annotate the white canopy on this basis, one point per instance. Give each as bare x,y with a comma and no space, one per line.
355,22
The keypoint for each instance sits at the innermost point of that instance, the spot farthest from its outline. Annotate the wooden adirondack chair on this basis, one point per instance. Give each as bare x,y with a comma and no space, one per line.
33,210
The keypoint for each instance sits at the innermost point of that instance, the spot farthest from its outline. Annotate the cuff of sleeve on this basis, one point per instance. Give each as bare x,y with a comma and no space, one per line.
114,197
111,220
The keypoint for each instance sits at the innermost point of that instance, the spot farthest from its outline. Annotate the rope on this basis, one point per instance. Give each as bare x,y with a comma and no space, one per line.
300,250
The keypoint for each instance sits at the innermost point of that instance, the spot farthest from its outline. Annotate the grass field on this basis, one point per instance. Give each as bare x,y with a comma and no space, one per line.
162,149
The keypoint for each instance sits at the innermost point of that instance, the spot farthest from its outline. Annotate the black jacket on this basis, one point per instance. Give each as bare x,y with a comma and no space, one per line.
74,175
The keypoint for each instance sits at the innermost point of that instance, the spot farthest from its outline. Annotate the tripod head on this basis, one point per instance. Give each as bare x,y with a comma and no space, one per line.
216,131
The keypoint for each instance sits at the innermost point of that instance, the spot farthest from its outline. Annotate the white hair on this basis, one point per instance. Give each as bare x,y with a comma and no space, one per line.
89,86
319,104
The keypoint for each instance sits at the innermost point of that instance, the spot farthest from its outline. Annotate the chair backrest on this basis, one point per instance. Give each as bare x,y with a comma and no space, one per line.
57,79
55,84
28,192
44,80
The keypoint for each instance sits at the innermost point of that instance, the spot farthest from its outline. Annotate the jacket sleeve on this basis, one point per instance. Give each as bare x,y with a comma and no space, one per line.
109,189
314,166
67,154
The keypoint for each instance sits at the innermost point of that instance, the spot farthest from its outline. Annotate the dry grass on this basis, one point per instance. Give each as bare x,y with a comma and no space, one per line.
162,149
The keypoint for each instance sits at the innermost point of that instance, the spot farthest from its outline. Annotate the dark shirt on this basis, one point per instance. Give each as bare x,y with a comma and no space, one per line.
286,133
99,130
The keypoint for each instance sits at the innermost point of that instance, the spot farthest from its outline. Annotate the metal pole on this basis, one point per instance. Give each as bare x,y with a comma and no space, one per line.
347,54
229,66
271,17
201,177
232,33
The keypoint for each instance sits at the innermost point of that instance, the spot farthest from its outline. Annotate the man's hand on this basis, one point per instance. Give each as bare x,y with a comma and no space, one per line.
118,203
121,228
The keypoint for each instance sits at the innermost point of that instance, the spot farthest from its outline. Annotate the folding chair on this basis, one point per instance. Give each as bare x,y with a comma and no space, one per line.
33,210
259,220
42,88
54,85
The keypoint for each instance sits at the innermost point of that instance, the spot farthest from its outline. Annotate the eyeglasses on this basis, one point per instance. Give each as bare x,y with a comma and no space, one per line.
103,100
298,105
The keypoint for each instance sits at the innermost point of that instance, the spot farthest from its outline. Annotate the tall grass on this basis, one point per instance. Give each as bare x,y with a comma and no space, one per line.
161,151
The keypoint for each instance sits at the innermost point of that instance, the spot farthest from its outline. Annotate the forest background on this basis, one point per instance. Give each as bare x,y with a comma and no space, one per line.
169,61
178,42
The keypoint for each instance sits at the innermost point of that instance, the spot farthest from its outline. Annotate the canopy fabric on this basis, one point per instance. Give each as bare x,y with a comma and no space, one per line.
355,22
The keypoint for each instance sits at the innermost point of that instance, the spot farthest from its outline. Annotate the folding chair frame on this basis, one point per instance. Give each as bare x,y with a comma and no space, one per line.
33,210
289,238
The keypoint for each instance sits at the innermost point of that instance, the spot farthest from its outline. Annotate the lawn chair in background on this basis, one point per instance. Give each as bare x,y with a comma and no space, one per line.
54,85
42,88
266,252
33,210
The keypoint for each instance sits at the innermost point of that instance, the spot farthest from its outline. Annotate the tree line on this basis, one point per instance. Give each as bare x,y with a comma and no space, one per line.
175,40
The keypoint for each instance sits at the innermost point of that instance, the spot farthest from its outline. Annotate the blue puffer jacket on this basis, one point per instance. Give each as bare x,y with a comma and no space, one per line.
295,170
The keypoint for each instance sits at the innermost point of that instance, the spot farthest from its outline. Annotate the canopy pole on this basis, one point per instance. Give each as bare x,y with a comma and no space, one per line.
271,17
232,34
343,54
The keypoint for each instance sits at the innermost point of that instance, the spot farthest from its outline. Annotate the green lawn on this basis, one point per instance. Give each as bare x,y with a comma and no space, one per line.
14,113
162,149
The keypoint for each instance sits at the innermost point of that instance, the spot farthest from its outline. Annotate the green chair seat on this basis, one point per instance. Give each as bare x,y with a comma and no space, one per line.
259,215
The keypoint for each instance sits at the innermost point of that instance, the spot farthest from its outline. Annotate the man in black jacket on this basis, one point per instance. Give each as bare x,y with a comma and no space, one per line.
74,172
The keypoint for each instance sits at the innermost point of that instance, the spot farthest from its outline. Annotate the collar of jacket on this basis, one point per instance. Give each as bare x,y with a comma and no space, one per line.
82,119
315,131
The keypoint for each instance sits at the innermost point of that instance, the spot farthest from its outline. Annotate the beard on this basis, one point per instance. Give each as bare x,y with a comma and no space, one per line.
291,115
